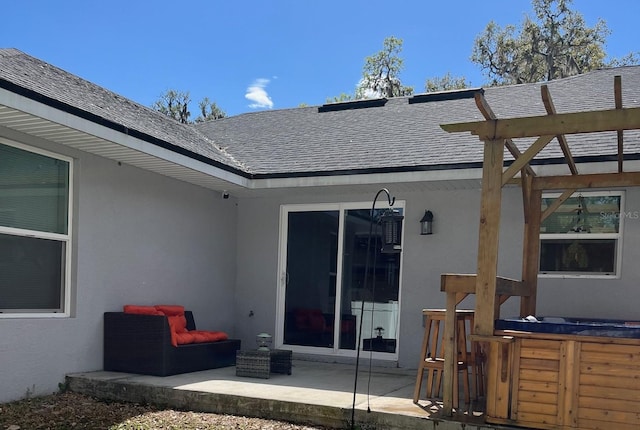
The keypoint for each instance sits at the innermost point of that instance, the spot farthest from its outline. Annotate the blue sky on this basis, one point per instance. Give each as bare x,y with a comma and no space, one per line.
277,54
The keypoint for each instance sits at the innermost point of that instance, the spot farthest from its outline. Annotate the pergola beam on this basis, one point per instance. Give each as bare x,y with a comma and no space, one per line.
524,160
561,123
487,112
594,180
556,203
551,110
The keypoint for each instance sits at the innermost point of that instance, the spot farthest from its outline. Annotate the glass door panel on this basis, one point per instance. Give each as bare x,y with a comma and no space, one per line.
370,279
310,297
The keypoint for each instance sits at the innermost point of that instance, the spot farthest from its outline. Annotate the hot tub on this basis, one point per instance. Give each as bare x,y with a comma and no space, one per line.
577,326
564,373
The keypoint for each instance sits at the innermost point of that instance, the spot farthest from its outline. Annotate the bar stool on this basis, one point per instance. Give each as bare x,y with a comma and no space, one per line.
432,354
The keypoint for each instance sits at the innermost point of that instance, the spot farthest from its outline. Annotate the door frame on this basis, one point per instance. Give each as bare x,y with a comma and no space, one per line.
282,276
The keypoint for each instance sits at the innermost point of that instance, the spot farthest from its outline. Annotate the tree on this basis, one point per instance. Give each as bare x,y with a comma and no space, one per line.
209,110
445,83
343,97
556,44
175,104
380,74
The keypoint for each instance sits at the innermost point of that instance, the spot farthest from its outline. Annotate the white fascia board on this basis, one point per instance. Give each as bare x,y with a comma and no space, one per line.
49,113
370,178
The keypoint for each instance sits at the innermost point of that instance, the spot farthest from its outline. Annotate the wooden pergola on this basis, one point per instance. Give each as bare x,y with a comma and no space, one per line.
490,289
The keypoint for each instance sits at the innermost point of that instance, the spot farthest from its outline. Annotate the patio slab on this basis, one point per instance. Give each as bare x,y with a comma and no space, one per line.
315,393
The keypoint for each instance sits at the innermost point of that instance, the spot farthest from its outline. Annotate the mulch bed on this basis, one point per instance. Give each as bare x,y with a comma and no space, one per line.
68,410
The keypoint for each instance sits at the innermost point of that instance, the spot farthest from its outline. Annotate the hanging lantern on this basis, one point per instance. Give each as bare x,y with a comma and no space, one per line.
391,222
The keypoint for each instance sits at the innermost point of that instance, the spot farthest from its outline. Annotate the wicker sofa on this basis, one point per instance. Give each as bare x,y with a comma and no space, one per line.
136,343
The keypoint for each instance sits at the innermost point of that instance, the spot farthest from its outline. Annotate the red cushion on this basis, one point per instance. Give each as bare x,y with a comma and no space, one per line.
184,338
142,310
170,310
178,323
208,336
177,320
310,320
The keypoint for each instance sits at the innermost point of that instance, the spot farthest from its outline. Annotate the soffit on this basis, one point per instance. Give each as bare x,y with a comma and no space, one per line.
45,129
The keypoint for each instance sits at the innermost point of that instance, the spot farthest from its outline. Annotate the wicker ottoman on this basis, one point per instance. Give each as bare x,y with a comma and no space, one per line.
260,364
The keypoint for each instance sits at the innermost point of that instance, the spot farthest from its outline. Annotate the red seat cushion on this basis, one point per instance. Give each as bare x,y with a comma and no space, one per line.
208,336
185,338
311,320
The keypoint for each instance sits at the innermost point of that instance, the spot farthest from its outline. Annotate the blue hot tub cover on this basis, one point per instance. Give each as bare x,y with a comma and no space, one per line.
578,326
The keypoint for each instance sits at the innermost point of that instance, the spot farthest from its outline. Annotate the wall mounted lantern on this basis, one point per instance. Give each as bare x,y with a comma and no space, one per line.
426,223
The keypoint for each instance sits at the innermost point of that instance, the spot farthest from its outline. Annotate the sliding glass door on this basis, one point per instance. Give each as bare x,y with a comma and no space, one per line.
334,276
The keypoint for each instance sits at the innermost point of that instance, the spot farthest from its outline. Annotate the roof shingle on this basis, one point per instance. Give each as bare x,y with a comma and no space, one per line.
395,136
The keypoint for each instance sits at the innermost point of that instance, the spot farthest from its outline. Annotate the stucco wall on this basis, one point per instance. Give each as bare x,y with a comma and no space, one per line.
451,249
143,238
140,238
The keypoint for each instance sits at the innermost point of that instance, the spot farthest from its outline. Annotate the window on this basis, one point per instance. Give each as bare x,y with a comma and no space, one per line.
35,238
583,235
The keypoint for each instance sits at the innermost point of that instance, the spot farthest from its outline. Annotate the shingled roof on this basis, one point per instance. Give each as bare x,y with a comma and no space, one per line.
400,134
404,133
40,81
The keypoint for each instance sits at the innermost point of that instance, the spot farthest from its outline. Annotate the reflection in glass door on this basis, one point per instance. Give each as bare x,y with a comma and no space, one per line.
310,297
327,258
370,280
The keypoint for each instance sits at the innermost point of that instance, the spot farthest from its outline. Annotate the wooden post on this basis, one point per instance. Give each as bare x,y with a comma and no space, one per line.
490,207
450,366
531,253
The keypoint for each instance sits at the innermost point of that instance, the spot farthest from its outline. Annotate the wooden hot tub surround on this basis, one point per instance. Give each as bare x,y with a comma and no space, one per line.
560,381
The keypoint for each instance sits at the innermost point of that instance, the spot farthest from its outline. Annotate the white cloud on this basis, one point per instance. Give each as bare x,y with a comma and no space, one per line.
257,94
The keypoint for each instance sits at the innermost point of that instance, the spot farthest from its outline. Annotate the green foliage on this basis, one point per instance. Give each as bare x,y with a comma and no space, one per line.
343,97
445,83
63,387
555,44
630,59
175,104
380,75
209,110
381,72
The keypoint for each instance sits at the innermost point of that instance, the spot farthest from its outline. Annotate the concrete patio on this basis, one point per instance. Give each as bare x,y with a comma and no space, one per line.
315,393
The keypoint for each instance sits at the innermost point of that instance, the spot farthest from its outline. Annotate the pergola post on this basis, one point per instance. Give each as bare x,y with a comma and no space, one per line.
490,209
531,252
485,310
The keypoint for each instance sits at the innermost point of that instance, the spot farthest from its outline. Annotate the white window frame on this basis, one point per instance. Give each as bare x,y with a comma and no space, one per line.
590,236
66,239
282,269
